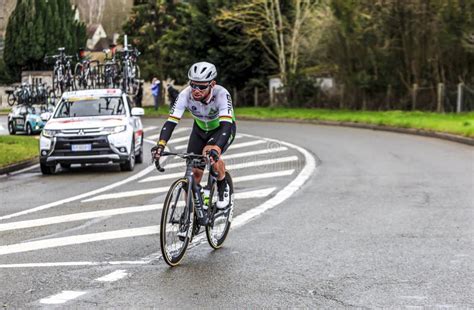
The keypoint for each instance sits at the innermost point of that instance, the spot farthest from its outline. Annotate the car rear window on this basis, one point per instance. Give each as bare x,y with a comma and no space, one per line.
91,107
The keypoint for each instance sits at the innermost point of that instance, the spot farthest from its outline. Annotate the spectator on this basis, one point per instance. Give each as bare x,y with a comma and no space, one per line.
155,91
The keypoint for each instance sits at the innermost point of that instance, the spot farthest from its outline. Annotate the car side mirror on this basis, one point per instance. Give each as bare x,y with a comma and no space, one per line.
138,112
46,116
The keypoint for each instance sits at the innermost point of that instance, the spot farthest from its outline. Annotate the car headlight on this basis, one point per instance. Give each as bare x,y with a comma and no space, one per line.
49,133
115,129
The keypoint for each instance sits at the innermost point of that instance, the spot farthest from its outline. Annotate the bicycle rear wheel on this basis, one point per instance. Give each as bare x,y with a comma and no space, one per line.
177,220
220,220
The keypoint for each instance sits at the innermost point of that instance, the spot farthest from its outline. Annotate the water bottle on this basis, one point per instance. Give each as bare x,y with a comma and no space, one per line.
205,198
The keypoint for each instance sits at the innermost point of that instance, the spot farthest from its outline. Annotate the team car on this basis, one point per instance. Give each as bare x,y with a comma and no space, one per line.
25,118
92,126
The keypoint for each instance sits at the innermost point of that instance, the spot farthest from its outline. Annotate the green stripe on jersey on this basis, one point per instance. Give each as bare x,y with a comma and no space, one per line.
207,126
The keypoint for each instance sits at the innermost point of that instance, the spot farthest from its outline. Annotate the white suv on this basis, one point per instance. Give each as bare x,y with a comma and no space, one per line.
92,126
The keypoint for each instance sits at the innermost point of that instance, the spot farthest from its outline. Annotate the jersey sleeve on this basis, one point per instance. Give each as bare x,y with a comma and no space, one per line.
226,110
177,108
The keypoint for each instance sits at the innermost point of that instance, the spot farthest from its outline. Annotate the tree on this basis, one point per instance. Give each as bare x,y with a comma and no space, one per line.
276,26
39,27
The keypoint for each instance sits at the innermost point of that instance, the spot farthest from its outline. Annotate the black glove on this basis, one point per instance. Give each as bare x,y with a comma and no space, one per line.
156,152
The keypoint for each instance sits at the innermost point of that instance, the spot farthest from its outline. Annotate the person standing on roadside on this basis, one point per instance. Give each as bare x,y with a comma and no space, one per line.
155,91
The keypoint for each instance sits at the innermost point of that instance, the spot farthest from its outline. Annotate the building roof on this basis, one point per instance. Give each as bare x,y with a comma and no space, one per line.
91,29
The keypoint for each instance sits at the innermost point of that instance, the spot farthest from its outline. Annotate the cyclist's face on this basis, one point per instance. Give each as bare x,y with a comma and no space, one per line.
200,90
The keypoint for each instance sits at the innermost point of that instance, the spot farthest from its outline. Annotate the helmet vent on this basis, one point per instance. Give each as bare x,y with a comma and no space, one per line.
195,69
209,74
203,69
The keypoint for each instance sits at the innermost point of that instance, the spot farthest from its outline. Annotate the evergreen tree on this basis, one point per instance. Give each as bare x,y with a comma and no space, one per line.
39,27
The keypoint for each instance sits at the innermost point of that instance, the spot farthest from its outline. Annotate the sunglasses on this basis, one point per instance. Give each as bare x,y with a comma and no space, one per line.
198,86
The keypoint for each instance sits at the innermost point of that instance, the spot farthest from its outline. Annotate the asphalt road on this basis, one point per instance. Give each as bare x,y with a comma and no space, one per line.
331,217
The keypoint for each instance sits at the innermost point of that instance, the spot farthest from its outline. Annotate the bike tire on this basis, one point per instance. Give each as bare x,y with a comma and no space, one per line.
78,77
220,220
136,80
176,217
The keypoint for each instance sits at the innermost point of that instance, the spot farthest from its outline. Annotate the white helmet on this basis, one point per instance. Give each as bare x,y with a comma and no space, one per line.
202,72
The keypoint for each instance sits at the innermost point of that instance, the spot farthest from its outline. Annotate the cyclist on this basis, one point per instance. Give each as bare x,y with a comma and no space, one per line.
214,125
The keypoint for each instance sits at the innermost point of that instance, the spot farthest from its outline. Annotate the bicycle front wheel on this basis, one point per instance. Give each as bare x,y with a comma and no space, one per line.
176,222
220,220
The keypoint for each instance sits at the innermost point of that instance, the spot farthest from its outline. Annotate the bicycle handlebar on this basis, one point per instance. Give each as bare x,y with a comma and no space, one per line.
182,155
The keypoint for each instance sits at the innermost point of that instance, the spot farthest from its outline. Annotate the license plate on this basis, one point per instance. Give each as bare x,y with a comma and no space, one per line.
81,147
20,121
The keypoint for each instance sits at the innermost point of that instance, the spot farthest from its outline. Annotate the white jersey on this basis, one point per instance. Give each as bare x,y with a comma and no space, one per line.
207,116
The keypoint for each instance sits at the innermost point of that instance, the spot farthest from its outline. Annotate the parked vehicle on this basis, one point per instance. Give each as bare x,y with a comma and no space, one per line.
92,126
26,118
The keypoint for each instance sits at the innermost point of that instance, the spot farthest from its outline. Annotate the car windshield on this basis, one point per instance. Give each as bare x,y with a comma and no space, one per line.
91,107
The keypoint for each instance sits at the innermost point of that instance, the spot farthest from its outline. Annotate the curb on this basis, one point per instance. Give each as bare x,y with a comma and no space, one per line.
411,131
18,166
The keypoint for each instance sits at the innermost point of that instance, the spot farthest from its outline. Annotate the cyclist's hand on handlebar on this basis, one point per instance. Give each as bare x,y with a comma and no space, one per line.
156,152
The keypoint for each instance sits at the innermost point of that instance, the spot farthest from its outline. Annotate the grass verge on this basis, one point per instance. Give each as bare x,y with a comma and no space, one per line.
459,124
17,149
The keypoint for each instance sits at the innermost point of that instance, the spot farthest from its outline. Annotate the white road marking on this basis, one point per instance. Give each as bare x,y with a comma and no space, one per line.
24,170
283,194
66,264
84,195
76,217
78,239
262,163
255,153
134,193
174,132
258,193
163,177
62,297
233,146
244,165
263,176
236,179
114,276
414,297
127,194
109,235
149,128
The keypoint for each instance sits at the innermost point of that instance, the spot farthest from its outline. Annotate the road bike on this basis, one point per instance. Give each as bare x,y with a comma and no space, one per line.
63,79
188,206
85,73
130,71
109,72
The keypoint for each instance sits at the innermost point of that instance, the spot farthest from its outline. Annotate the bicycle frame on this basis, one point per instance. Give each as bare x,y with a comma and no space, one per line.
194,188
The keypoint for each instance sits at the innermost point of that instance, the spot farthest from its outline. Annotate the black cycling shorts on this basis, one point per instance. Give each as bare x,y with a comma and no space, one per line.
200,138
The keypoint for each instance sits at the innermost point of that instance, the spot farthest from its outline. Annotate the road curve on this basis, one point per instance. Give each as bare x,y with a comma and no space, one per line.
385,220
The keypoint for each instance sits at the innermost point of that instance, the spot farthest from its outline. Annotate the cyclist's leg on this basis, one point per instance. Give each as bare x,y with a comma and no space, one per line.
197,141
211,144
222,186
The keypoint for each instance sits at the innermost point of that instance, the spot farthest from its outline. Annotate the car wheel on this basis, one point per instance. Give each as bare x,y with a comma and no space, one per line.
130,163
47,170
29,131
11,128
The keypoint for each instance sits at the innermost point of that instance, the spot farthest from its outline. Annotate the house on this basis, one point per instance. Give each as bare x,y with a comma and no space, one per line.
95,32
